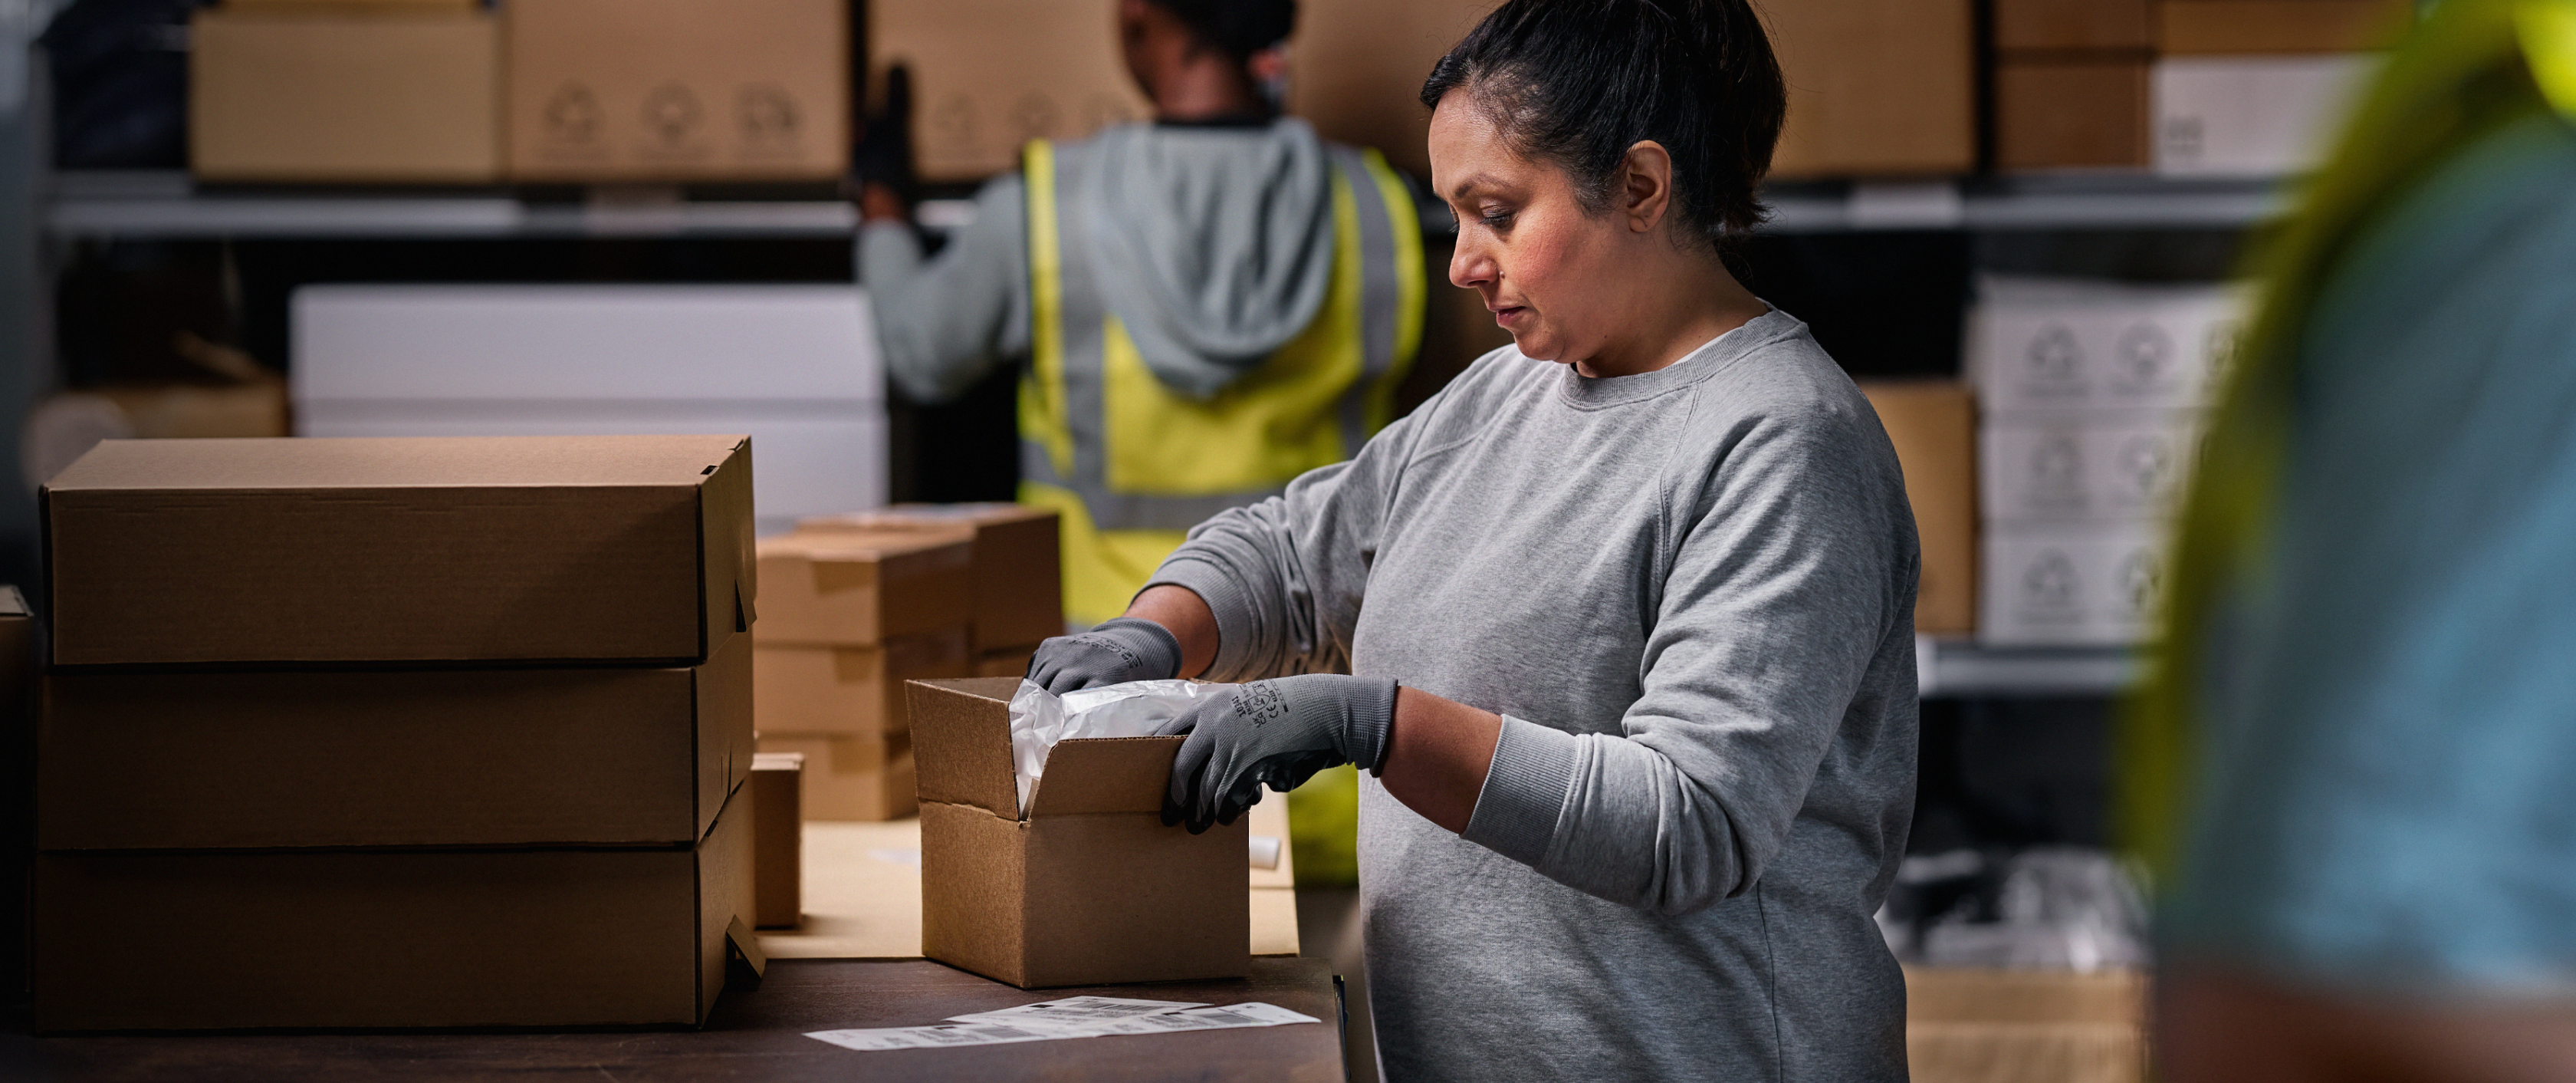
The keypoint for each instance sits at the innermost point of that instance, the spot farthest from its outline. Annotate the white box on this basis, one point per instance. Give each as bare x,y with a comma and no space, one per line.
2252,116
2088,467
2071,585
2052,344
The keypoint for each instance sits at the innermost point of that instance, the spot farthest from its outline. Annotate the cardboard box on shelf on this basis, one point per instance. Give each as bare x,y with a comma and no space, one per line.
345,6
2087,466
2071,111
2060,584
777,839
603,548
1876,87
186,940
1052,897
851,691
1019,579
283,758
1966,1025
850,778
2186,27
409,94
2072,343
1356,67
990,75
678,90
858,590
2074,24
1933,424
2252,116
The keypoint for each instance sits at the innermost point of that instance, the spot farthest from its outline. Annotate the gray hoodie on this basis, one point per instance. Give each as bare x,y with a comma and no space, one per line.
1218,250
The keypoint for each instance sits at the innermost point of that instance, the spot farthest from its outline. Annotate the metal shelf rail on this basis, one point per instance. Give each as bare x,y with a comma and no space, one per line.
1955,668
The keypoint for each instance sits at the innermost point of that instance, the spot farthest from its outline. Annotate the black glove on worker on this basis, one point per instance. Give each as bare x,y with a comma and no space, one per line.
1279,732
1112,652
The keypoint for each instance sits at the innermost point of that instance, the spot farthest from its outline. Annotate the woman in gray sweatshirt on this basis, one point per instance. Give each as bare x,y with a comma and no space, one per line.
1620,624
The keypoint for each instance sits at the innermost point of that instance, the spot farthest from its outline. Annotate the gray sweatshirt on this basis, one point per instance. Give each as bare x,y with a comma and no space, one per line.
1690,594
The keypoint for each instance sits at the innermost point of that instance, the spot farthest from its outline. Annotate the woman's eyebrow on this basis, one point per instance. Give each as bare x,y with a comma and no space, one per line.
1468,187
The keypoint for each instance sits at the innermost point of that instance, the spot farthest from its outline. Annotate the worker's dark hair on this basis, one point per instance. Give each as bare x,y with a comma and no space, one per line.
1578,82
1237,28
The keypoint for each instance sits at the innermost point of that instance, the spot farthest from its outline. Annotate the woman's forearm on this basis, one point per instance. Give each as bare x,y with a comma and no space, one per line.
1184,614
1437,756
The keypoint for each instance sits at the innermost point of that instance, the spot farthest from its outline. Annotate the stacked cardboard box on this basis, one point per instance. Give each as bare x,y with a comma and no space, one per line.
2071,83
394,733
1018,569
345,91
1967,1025
2257,87
2092,397
1933,424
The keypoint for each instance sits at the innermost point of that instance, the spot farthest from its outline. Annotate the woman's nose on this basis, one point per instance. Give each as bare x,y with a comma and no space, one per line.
1469,263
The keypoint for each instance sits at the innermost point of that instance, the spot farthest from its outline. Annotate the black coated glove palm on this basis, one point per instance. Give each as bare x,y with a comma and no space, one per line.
1277,732
1112,652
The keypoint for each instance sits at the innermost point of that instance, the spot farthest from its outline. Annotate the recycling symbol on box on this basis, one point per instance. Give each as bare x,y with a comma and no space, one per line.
2143,355
573,115
767,115
672,113
2054,354
2050,583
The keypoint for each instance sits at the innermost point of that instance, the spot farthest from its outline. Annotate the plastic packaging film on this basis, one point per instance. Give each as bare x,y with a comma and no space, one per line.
1040,718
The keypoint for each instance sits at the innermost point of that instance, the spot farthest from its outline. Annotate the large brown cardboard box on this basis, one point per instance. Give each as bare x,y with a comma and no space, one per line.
678,90
1933,424
284,758
1876,87
1019,563
2187,27
1090,887
859,590
2071,112
185,940
777,839
17,780
1358,65
405,95
630,549
1970,1025
2075,24
990,75
850,778
851,691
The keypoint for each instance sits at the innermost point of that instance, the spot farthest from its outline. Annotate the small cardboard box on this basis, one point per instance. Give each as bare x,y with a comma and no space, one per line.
1019,566
2071,584
2188,27
851,691
1876,87
2089,466
387,93
850,778
990,75
2055,344
2253,116
678,90
2071,112
632,549
860,590
186,940
1089,887
284,758
1933,424
1357,66
1967,1025
777,839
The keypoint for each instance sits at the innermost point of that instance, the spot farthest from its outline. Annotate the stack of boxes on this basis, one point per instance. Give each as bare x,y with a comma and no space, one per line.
394,733
2092,396
859,604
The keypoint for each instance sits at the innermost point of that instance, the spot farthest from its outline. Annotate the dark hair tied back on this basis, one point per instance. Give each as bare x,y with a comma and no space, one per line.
1237,28
1578,82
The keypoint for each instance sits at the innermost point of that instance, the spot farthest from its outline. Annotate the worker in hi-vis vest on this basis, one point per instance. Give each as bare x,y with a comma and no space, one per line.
1211,303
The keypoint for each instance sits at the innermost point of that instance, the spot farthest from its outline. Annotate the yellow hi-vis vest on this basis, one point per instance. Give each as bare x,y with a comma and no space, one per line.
1130,464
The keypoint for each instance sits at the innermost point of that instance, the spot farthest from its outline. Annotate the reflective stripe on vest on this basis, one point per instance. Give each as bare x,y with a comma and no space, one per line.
1132,464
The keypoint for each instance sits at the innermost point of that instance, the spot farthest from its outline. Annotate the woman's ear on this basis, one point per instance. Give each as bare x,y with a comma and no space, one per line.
1646,186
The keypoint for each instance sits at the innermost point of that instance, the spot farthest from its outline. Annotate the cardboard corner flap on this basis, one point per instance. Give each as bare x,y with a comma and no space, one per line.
1105,774
961,744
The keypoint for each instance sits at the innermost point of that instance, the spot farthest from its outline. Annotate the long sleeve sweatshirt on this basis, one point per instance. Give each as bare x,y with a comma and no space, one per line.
1690,595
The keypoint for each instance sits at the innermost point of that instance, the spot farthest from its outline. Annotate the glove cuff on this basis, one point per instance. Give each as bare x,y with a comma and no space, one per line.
1158,650
1372,719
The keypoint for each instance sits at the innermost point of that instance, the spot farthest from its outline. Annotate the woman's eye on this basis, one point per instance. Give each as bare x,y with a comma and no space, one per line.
1496,219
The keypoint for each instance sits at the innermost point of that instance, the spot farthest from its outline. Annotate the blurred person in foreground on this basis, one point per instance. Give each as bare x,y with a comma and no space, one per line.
1619,624
2356,770
1210,303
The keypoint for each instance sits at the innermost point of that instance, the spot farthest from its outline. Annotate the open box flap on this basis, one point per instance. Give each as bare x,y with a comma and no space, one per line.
1105,774
961,742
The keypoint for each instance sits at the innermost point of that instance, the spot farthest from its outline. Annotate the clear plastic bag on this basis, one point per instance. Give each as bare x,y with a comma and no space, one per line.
1040,718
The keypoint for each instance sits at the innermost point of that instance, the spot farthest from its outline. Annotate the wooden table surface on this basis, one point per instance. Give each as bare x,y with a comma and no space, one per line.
758,1035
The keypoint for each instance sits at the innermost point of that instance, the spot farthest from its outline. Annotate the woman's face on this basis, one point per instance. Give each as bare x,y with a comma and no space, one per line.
1549,272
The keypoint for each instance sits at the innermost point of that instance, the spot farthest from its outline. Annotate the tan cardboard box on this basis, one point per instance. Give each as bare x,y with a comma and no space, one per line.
2072,111
185,940
389,6
2075,24
2187,27
310,94
1965,1025
851,691
1019,564
678,90
858,590
506,548
1008,662
850,778
1933,424
1876,87
1356,67
509,757
777,839
990,75
1054,898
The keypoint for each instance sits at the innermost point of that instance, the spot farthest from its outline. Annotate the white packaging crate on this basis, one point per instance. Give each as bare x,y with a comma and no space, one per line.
2252,116
2097,466
2074,344
2071,585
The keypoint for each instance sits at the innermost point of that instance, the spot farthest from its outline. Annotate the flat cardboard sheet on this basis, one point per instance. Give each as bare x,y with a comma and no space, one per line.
284,758
626,549
812,690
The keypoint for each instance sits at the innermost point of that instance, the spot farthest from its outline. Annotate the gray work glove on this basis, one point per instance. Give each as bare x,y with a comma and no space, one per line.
1112,652
1279,732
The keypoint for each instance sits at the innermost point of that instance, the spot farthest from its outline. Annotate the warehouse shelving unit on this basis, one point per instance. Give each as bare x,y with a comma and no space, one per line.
1955,668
